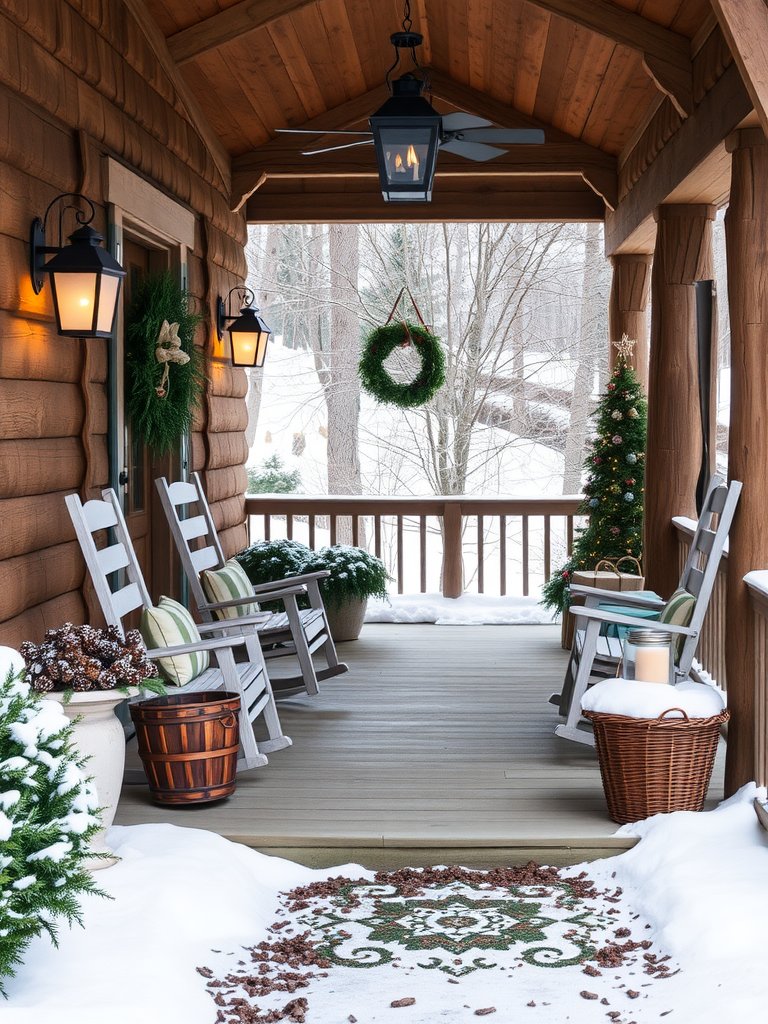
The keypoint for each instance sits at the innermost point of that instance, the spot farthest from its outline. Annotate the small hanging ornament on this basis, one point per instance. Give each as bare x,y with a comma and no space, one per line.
629,496
617,414
593,502
168,351
631,458
632,413
610,386
617,439
630,482
615,531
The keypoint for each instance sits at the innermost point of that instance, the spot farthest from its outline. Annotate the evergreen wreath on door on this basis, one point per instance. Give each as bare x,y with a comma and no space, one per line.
164,375
381,342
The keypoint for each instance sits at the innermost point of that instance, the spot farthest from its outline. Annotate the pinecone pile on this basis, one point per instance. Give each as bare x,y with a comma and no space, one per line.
86,658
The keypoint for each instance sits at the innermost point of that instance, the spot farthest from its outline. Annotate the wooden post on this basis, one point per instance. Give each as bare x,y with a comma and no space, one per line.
453,569
746,240
628,309
682,256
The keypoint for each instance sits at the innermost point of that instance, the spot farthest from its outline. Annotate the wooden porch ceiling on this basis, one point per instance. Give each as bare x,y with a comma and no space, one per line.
591,73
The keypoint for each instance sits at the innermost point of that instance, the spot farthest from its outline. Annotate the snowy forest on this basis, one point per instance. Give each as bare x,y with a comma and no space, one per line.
522,310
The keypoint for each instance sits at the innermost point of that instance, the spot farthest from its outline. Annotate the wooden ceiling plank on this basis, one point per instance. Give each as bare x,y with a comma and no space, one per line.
666,54
157,41
342,43
716,116
745,27
532,35
287,43
232,23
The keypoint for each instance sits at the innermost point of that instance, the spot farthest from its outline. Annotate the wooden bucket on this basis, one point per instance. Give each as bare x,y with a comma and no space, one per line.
188,744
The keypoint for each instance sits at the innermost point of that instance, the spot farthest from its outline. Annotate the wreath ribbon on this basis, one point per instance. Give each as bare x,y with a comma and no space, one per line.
408,340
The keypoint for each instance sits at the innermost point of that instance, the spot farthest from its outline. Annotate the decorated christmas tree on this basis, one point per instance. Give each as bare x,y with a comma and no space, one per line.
615,465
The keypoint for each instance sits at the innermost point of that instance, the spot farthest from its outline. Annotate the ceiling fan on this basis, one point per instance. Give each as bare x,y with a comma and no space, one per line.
407,131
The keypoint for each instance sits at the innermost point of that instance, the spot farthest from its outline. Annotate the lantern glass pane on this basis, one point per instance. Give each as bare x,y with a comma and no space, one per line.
110,286
245,347
405,151
75,299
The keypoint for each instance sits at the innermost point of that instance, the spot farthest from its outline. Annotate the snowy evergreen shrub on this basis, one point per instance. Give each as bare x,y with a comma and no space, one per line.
48,814
355,574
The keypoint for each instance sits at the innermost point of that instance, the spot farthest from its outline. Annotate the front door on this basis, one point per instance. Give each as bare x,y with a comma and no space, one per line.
143,514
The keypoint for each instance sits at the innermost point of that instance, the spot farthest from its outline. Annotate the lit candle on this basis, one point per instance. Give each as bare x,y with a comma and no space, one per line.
652,664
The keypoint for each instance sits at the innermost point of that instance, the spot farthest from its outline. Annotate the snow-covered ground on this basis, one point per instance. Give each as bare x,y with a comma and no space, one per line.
179,894
468,610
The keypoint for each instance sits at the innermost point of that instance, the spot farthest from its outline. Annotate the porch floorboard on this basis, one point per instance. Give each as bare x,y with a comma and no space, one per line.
437,745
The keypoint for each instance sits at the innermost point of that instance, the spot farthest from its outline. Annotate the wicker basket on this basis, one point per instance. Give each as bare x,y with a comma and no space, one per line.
655,765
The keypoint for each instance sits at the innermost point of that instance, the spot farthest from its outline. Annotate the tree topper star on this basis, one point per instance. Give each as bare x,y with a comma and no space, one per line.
625,347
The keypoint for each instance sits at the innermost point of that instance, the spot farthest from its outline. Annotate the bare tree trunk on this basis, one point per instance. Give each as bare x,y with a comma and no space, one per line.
342,391
263,282
586,360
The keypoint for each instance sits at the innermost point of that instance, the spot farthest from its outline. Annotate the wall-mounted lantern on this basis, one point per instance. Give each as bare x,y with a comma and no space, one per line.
248,333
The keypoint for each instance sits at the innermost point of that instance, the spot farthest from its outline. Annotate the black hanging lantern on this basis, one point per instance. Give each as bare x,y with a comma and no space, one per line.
406,136
248,334
85,277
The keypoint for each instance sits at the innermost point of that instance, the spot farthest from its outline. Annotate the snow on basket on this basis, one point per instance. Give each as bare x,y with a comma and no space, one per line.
636,699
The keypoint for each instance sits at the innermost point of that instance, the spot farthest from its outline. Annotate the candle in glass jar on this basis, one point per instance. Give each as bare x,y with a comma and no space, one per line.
652,664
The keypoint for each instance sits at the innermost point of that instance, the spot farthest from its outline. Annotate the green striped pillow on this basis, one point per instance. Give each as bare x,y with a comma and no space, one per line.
227,584
678,611
168,625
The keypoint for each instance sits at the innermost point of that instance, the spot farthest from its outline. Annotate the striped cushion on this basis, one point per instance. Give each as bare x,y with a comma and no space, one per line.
678,611
227,584
168,625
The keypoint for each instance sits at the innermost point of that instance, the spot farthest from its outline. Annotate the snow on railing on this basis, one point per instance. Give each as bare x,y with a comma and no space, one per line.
455,544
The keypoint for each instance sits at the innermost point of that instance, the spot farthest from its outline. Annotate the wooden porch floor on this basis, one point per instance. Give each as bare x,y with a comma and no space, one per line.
436,747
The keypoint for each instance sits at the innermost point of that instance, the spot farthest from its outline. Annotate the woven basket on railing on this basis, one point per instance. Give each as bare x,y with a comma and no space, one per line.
655,765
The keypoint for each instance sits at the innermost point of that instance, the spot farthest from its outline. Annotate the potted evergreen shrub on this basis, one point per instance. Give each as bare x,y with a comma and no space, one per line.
355,575
90,671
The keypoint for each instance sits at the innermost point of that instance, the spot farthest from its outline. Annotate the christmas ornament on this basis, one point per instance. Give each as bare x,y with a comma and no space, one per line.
630,482
632,413
617,438
624,348
617,414
611,387
593,502
615,531
629,496
631,458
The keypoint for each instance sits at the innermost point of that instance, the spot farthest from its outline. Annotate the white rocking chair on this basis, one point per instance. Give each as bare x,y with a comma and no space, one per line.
297,632
249,680
595,654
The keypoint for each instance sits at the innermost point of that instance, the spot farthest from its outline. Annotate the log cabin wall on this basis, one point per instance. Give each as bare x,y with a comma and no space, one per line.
80,81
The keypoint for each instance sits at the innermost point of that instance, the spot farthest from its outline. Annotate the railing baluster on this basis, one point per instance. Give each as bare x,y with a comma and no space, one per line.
400,554
355,531
289,526
526,578
502,555
377,535
333,529
480,557
312,532
267,526
547,547
423,554
569,534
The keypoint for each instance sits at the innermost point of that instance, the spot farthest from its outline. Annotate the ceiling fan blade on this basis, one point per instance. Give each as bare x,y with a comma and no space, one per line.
472,150
320,131
504,135
456,122
332,149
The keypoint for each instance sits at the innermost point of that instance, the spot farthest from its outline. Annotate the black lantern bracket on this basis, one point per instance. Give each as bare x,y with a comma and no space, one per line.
38,249
223,316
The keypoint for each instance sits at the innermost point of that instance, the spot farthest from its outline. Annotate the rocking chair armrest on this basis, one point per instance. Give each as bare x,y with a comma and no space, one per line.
242,620
291,581
201,645
600,615
618,596
241,602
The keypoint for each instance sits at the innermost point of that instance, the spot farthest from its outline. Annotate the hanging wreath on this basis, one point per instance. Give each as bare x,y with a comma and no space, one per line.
164,377
381,343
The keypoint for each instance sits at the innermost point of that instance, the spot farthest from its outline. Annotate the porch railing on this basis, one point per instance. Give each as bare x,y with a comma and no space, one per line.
757,584
454,544
711,649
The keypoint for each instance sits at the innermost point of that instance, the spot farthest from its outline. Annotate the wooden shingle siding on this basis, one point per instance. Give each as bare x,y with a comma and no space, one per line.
79,81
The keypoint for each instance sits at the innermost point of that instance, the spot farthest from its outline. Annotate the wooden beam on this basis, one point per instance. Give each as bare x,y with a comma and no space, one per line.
156,40
236,21
346,207
666,54
745,27
720,111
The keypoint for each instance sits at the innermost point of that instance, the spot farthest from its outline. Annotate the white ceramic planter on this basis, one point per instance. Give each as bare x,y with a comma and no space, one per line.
345,621
99,736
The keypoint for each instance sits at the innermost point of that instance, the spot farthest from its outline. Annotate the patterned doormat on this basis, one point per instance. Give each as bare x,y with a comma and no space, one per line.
531,939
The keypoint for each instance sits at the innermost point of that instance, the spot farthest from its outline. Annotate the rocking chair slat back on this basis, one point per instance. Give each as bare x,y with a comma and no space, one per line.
113,558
